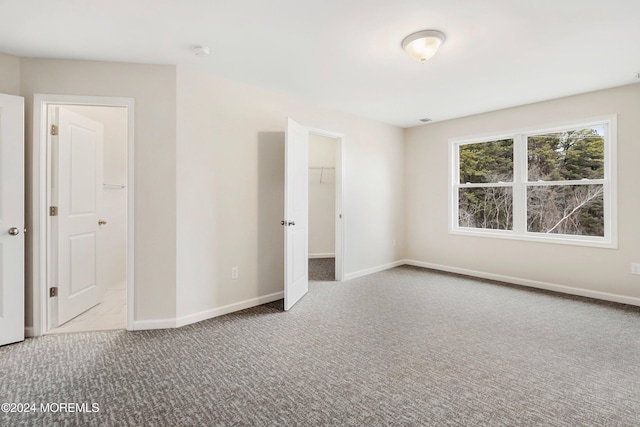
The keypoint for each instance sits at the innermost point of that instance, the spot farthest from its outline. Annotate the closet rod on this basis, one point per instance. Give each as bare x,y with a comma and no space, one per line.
322,168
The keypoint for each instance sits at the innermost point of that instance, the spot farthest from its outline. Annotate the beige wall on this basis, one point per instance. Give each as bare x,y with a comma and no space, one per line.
230,189
209,166
592,269
9,74
209,162
153,88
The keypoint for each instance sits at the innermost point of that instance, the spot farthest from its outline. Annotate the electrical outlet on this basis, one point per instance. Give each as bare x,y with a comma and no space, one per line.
235,273
635,268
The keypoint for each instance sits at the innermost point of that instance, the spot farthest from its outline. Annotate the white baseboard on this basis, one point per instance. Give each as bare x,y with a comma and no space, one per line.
219,311
372,270
141,325
322,255
530,283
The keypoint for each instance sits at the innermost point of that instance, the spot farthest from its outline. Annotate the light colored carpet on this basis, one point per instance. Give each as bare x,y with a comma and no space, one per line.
406,347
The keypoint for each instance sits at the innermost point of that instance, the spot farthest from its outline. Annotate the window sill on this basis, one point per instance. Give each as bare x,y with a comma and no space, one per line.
539,238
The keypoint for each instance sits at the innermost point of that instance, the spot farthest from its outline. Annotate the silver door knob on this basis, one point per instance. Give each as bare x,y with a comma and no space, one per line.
14,231
102,222
291,223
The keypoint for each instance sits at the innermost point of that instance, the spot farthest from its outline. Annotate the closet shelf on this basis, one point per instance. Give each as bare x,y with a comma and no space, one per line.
322,169
114,186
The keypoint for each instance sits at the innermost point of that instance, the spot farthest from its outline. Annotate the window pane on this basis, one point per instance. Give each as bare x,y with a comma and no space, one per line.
574,154
485,162
487,207
566,209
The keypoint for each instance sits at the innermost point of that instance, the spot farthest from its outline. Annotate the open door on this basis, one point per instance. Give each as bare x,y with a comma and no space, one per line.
79,180
11,219
296,209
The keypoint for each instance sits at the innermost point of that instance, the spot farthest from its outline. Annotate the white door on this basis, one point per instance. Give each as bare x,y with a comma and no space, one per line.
11,219
296,208
79,189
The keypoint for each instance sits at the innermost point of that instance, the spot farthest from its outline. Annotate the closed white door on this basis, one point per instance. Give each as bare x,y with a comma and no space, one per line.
296,208
11,219
79,180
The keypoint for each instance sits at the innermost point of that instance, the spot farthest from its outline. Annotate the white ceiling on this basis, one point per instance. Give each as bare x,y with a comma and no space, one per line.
346,54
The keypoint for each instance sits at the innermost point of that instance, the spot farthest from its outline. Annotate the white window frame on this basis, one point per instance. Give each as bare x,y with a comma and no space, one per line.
520,184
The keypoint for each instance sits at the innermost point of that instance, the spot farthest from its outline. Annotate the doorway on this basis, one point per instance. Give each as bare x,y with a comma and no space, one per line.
332,152
322,208
85,212
296,210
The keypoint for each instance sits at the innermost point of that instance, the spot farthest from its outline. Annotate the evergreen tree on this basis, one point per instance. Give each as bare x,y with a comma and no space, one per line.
574,155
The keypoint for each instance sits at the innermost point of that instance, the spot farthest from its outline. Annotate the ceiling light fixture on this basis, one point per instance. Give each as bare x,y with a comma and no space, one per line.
423,44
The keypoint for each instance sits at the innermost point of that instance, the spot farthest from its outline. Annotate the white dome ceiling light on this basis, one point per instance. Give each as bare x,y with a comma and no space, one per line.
423,44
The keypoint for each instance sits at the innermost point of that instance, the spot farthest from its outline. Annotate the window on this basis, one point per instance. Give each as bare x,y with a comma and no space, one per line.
555,184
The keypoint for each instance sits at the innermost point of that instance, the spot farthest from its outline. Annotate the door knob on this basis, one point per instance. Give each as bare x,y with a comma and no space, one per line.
102,222
14,231
291,223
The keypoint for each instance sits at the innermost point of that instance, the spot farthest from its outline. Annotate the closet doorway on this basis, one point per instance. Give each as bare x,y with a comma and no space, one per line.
324,208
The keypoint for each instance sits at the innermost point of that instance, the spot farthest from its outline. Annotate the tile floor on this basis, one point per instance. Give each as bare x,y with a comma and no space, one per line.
111,313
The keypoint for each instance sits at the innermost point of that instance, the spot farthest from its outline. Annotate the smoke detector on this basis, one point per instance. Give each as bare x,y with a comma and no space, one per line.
201,51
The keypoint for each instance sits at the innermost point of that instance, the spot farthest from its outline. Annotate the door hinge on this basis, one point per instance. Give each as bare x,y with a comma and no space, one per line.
53,211
54,130
53,292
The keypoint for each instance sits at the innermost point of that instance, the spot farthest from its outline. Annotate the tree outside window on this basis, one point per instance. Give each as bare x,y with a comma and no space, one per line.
573,156
547,184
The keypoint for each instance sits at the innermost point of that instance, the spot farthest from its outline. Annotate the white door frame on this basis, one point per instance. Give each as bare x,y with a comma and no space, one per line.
39,208
339,213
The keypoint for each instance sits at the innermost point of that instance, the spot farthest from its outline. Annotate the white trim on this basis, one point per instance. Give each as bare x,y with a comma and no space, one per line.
375,269
562,239
340,225
532,130
231,308
205,314
39,199
322,255
520,184
529,283
144,325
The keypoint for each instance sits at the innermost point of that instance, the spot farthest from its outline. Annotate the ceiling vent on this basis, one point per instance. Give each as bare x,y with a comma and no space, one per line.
425,120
